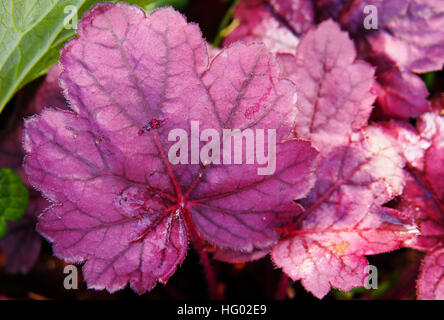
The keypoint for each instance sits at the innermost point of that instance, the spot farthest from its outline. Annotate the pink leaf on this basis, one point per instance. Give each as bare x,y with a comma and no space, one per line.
360,169
344,220
408,40
431,278
298,13
423,196
334,97
424,192
409,32
400,94
121,206
335,255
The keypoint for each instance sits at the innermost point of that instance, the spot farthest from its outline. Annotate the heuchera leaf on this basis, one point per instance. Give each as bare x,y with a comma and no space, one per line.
334,97
120,205
409,32
408,40
298,13
430,282
359,171
344,220
326,9
277,23
423,196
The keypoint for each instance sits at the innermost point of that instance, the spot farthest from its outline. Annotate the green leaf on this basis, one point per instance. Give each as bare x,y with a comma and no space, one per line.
429,79
150,5
32,32
14,198
3,228
348,295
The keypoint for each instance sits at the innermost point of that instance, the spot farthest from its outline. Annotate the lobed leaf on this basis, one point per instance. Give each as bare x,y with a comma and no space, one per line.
343,220
120,205
423,196
408,40
334,97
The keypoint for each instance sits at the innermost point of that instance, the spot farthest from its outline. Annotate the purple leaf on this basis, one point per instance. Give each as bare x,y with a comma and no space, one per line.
400,94
409,32
22,243
334,97
430,281
359,171
423,196
408,40
298,13
326,9
121,206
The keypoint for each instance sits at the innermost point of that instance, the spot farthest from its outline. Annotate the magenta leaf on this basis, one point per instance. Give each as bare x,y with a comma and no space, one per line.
344,220
335,256
423,196
326,9
431,279
400,94
360,169
334,97
121,206
408,41
409,32
298,13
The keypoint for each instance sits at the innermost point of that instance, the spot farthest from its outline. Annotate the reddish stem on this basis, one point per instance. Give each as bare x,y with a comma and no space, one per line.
204,260
209,272
281,293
